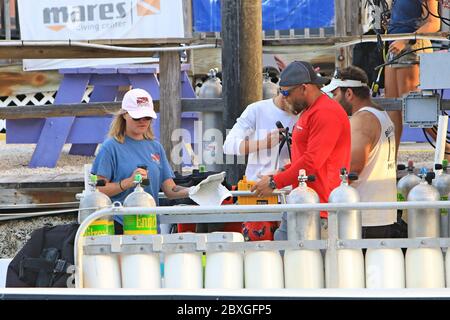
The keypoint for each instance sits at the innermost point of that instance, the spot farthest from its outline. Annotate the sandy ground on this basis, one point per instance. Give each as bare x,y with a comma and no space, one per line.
14,160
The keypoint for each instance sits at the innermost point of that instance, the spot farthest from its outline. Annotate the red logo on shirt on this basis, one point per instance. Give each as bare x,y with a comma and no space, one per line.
156,158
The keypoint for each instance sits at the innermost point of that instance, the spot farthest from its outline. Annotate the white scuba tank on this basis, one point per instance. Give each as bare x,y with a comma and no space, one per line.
303,268
182,270
385,268
350,262
405,184
424,266
224,270
263,270
140,270
99,271
442,184
350,269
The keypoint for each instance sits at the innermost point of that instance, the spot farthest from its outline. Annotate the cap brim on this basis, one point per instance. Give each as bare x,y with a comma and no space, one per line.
322,80
330,88
136,114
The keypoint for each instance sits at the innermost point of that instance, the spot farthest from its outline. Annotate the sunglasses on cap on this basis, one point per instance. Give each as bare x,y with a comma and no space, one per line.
144,118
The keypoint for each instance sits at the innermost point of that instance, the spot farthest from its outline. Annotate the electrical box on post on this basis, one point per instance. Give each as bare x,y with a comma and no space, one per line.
421,109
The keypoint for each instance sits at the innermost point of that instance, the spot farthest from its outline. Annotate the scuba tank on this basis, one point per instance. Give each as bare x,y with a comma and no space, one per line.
211,88
211,152
405,184
263,269
99,271
349,221
141,223
224,270
92,201
424,266
424,222
303,268
141,270
350,262
442,184
270,89
303,225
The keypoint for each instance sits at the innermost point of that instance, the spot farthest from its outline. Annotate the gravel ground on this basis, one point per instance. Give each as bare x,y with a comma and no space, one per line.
421,153
15,233
15,158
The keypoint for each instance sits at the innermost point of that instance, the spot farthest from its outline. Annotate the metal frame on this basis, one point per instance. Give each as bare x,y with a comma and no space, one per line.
155,243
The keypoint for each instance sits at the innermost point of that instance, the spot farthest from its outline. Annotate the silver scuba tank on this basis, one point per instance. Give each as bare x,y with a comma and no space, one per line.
141,223
211,88
91,201
406,183
424,222
349,221
442,184
270,89
211,121
303,225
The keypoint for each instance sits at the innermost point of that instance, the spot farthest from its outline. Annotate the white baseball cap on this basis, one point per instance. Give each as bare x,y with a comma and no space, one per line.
139,104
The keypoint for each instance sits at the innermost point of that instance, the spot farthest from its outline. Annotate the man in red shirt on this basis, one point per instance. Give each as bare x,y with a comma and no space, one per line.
321,137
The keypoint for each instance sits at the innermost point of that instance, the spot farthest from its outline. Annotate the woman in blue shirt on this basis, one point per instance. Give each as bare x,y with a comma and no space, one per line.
131,144
407,16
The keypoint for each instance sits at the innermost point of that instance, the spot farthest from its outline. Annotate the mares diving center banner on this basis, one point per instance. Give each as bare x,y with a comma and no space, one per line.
98,19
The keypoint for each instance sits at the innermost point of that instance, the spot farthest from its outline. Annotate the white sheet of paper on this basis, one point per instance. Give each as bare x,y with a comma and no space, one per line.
210,191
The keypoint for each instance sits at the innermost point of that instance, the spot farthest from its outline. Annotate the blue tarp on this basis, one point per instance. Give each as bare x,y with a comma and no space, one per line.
277,14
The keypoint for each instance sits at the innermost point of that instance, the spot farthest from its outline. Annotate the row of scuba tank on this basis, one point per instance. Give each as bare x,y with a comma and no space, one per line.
380,268
92,199
212,87
427,186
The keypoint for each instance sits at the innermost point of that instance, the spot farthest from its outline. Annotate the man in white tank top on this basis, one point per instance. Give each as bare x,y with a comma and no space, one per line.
373,151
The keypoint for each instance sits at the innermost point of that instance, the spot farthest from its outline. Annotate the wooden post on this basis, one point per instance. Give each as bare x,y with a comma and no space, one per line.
187,15
347,23
231,93
250,57
241,65
170,102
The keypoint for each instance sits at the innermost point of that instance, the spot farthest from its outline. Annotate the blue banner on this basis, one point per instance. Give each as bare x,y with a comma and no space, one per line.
277,14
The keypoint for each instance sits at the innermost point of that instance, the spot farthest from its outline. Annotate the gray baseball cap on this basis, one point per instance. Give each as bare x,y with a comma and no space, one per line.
299,72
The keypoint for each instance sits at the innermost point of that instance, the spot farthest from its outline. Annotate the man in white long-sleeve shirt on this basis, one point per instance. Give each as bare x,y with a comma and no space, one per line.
255,133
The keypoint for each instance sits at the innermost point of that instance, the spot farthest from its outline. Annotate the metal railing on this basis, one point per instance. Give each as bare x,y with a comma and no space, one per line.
255,213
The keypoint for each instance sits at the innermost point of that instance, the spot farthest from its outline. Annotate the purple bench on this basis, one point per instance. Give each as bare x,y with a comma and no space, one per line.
85,133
